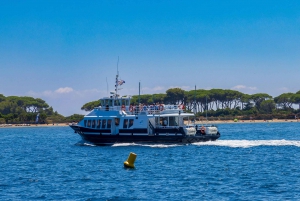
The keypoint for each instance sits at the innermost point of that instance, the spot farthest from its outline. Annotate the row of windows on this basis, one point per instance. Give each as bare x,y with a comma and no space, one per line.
98,123
167,121
125,123
128,123
106,123
115,102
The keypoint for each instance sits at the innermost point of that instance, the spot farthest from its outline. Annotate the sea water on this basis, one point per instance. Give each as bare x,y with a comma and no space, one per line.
250,161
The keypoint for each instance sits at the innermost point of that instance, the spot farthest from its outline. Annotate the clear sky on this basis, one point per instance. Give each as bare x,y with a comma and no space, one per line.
66,52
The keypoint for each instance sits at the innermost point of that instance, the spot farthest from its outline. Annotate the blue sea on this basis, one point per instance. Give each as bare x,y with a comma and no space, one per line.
250,161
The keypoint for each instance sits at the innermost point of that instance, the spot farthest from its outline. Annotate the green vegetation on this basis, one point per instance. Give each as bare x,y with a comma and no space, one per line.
223,104
14,109
216,104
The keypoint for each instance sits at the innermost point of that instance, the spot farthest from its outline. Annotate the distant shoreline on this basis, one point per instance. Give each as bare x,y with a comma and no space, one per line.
197,122
248,121
32,125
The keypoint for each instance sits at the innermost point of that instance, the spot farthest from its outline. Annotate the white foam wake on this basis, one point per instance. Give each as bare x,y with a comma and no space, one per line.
84,144
249,143
146,145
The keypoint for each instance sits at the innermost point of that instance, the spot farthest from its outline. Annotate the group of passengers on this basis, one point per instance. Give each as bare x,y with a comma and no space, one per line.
151,109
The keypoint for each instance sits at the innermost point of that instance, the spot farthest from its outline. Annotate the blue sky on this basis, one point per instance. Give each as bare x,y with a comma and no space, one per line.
66,52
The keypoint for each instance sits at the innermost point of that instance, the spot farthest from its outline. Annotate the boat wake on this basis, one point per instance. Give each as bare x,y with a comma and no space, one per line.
147,145
249,143
84,143
222,143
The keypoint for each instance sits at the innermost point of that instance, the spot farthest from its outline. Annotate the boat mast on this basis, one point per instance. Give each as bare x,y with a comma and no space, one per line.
117,80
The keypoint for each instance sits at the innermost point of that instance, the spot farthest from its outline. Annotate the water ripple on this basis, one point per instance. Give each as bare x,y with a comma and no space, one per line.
248,162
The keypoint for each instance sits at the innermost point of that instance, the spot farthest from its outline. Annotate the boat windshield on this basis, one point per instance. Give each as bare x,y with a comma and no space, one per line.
115,102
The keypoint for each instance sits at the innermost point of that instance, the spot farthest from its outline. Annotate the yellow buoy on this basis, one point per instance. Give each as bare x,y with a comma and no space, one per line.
130,160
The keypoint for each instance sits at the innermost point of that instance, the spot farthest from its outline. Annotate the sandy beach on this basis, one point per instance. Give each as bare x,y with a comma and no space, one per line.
249,121
33,125
197,122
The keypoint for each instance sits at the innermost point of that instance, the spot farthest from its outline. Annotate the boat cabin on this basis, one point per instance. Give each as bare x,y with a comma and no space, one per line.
115,103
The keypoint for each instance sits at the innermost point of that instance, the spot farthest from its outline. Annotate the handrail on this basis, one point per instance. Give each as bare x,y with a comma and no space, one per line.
138,109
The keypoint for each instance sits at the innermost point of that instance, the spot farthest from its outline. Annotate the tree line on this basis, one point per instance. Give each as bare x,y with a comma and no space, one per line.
223,102
15,109
214,103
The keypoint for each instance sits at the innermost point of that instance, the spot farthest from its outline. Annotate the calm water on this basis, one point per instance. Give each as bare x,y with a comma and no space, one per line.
249,162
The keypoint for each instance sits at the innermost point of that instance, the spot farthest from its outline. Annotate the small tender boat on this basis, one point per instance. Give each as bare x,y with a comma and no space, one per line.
117,121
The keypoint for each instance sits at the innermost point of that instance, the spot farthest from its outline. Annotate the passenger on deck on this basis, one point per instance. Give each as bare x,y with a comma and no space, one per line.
131,108
136,110
180,106
157,108
144,107
151,109
161,107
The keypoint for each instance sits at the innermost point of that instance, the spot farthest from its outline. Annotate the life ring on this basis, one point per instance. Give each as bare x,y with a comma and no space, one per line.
123,107
202,130
161,107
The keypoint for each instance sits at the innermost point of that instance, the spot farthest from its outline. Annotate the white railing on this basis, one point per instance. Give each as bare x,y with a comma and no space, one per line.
157,109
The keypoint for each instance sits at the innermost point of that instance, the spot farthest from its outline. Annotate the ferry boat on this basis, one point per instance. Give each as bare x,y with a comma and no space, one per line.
118,121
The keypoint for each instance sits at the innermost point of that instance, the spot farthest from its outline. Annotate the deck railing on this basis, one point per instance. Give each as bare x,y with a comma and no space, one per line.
142,109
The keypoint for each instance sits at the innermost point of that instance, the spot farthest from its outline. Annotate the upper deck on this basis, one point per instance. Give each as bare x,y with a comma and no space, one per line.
121,105
144,109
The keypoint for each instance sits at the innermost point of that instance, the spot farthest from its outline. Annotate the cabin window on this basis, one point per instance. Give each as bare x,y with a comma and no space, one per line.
109,123
117,121
84,123
161,120
116,103
103,123
165,121
173,121
89,123
125,123
157,120
98,123
185,119
130,123
93,123
123,102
